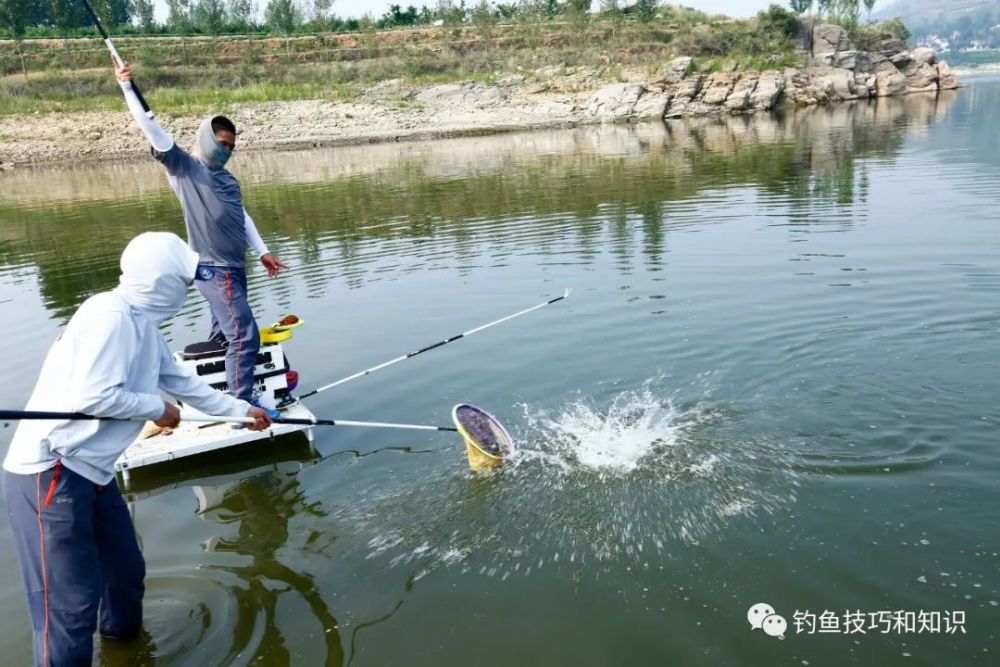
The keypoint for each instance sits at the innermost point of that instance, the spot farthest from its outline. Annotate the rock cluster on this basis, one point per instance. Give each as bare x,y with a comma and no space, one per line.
553,96
838,72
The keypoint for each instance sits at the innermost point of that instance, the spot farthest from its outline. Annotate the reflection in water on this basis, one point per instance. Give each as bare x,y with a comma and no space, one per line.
404,208
262,506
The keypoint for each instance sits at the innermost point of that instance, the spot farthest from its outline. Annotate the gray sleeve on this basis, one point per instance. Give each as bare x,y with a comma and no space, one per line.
176,160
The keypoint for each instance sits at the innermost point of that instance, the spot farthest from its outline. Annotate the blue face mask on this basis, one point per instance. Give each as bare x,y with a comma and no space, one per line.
211,151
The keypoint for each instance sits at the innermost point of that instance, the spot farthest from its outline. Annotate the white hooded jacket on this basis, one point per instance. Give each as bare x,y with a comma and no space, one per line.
112,361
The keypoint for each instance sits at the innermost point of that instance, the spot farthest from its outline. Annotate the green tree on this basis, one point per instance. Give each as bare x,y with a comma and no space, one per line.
645,10
578,12
777,20
801,6
179,22
397,16
282,15
112,12
142,12
209,15
611,10
241,13
507,11
452,13
179,16
321,12
483,18
65,15
13,19
846,12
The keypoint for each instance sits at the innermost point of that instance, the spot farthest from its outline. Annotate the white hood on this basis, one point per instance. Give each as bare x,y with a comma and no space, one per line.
157,268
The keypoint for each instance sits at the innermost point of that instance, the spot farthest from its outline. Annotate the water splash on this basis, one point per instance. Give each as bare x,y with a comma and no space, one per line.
593,485
636,426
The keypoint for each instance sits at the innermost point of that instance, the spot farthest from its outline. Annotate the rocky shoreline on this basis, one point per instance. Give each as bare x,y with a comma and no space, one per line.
549,97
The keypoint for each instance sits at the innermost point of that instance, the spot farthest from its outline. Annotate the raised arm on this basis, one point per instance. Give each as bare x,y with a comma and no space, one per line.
158,138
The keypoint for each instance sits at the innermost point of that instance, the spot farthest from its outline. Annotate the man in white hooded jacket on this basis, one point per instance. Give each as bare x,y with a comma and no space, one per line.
75,540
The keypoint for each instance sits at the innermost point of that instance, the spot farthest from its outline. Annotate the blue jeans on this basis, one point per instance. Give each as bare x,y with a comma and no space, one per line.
233,322
80,562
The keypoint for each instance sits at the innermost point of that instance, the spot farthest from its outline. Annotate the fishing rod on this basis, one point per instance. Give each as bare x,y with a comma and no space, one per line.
17,415
114,54
404,357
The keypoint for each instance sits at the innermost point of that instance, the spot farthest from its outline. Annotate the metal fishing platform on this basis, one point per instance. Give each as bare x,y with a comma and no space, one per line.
274,382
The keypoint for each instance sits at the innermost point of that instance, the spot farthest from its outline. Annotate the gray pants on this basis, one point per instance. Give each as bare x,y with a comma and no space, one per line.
80,562
233,322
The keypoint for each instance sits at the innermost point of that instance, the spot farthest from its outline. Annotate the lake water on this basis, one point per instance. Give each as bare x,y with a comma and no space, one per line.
775,381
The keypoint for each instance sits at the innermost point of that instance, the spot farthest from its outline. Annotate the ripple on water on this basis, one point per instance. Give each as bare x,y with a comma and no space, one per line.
884,454
201,618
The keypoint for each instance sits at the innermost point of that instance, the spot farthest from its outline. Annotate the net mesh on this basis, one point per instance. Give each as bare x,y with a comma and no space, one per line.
486,431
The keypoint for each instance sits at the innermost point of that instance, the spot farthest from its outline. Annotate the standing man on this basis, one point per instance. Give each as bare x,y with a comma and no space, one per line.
80,560
219,229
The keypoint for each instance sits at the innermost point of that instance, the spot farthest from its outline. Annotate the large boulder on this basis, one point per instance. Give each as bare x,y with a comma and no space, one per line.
676,70
838,84
464,94
615,101
889,81
925,55
738,100
946,79
652,104
889,45
919,70
769,88
828,39
718,88
865,62
682,94
809,86
845,59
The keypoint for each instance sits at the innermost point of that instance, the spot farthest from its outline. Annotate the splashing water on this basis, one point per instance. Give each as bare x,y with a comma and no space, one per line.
636,426
590,485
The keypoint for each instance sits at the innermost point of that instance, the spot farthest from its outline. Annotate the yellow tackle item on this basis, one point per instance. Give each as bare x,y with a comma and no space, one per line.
274,335
281,330
487,442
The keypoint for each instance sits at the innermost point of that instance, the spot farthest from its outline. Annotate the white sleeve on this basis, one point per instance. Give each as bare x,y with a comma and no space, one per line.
158,138
104,357
183,383
253,236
